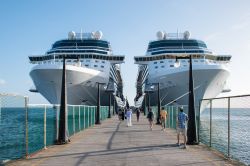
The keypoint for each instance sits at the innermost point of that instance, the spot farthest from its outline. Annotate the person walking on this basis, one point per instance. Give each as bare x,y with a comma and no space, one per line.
163,116
138,112
150,117
129,117
182,127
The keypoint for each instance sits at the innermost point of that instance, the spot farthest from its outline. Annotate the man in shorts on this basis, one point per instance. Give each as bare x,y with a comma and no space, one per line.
163,115
182,127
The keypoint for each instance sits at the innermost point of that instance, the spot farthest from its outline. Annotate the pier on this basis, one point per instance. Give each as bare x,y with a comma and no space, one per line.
113,143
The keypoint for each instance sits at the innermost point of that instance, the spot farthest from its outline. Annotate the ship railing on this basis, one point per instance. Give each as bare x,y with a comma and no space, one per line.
28,128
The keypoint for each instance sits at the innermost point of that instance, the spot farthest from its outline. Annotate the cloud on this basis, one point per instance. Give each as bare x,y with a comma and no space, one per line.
2,82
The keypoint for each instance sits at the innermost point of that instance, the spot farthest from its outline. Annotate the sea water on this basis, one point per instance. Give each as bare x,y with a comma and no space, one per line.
12,131
239,131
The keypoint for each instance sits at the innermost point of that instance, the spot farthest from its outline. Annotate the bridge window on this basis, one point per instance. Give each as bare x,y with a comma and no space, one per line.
87,65
171,66
155,62
162,66
102,66
156,67
161,61
95,66
103,61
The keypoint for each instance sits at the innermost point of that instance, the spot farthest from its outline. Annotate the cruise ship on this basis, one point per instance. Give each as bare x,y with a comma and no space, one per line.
89,63
158,69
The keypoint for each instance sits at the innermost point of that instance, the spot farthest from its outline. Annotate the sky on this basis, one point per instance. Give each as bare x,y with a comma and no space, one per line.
31,27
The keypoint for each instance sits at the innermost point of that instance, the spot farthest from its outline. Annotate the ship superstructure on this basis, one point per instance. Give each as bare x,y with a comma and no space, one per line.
210,71
89,61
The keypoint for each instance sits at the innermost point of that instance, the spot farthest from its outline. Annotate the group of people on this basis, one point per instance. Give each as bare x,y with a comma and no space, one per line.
182,119
127,114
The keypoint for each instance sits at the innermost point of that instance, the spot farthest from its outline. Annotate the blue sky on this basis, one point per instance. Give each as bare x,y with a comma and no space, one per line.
30,27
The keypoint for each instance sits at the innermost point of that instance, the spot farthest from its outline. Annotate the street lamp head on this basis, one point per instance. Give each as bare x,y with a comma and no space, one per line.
152,87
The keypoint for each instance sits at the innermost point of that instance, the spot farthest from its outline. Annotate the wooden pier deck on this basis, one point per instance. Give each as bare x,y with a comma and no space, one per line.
114,144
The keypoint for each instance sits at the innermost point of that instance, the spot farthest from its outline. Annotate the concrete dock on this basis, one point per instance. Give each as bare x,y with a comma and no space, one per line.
114,144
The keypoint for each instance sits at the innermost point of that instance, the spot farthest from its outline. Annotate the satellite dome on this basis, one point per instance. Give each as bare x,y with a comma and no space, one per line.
160,35
71,35
98,35
186,35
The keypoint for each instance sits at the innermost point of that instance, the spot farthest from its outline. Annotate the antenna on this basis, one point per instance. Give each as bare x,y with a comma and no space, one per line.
81,34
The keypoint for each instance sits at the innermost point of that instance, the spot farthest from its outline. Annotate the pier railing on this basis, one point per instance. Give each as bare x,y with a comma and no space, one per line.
27,128
224,126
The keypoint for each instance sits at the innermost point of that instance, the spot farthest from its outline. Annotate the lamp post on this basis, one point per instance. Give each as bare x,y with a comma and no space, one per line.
191,130
62,135
109,115
158,102
114,105
110,91
98,103
148,97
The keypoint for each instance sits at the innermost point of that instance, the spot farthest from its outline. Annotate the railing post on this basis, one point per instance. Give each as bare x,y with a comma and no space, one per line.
94,114
26,129
228,147
84,116
44,127
88,118
57,122
172,117
199,124
79,118
210,128
74,126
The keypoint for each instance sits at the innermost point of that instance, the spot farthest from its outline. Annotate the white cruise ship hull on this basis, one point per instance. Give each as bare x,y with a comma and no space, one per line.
209,81
81,84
